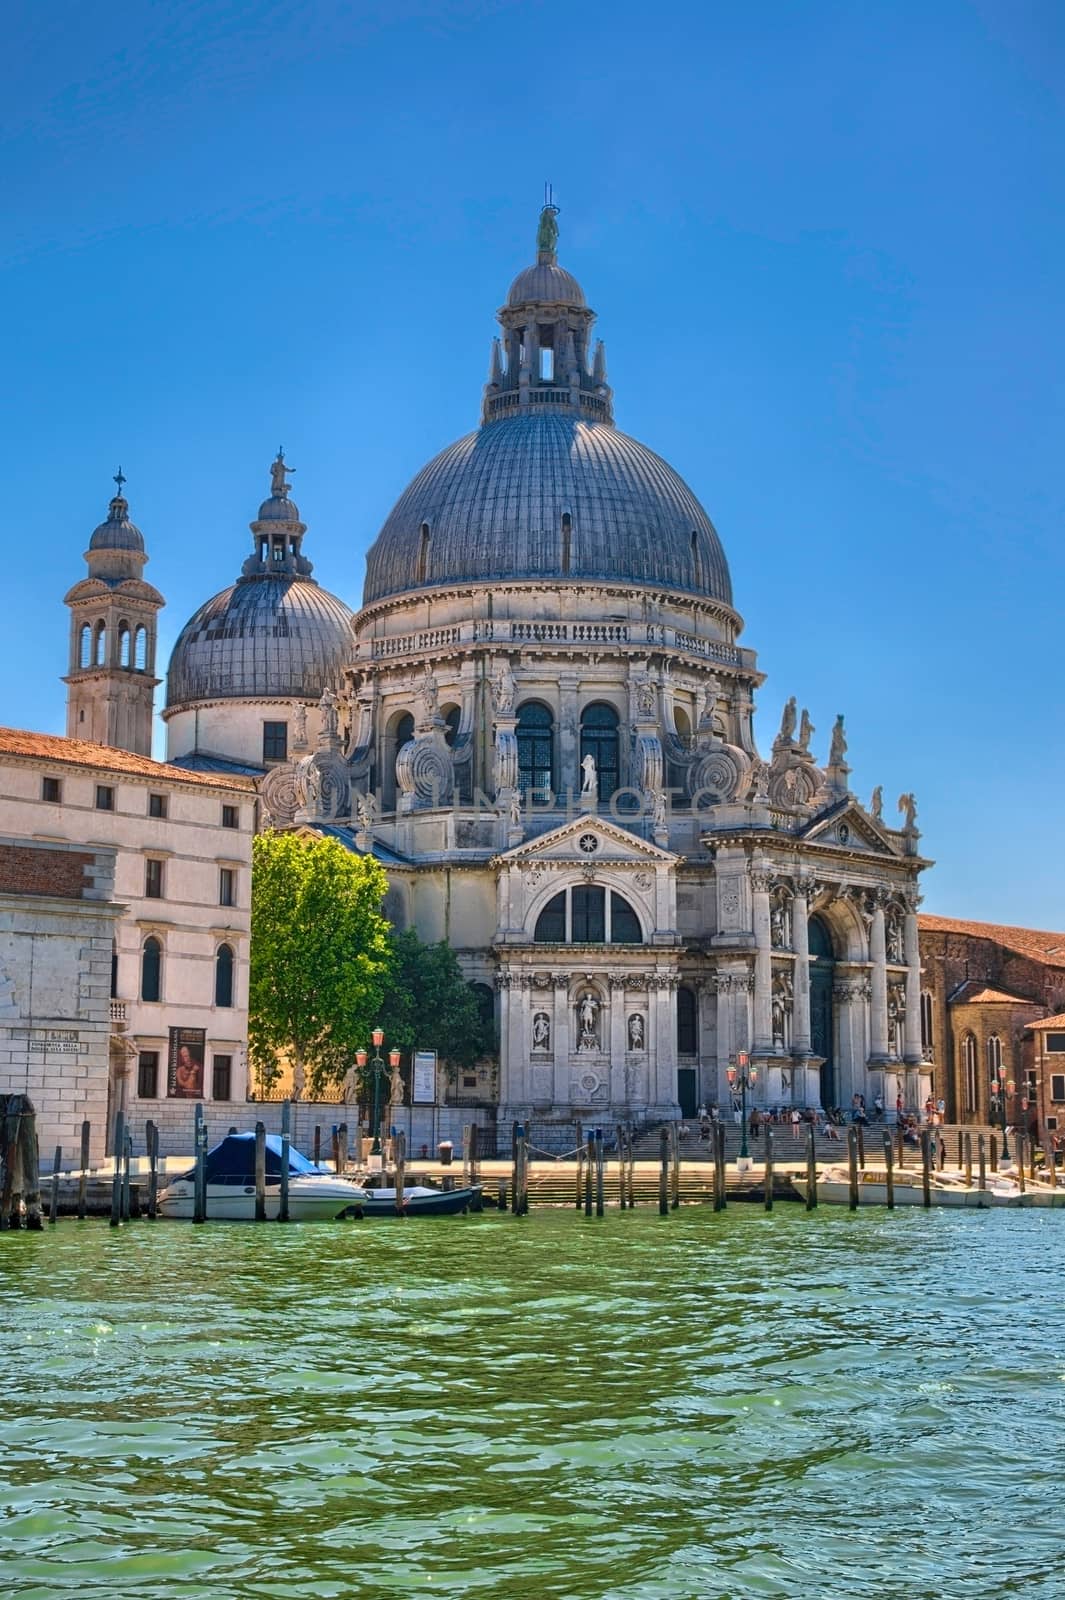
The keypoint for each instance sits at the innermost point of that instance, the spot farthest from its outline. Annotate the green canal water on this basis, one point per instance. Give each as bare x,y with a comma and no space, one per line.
694,1407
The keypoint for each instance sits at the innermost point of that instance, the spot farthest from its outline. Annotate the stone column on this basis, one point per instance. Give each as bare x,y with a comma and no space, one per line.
662,997
800,939
560,1037
912,1051
619,1043
763,965
878,1028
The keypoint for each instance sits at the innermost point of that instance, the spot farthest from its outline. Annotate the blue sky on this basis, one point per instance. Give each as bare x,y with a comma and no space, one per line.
825,245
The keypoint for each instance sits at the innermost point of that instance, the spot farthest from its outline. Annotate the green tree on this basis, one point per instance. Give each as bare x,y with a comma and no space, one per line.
429,1005
320,957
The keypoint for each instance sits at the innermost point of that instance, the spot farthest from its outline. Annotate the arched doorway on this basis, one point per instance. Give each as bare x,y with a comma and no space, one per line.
822,1033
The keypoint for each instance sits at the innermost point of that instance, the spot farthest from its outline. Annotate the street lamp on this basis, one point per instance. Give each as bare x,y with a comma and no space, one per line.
998,1108
377,1078
747,1076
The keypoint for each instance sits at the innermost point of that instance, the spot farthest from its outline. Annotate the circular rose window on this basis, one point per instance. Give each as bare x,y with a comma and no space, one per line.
589,843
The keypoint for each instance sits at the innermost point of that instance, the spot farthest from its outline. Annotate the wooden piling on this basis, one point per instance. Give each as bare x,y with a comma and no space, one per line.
400,1146
674,1184
768,1132
622,1196
852,1167
994,1154
342,1142
83,1180
720,1196
926,1168
286,1124
127,1162
31,1173
599,1196
260,1171
900,1147
53,1199
889,1169
1031,1159
1019,1142
630,1163
579,1199
589,1170
663,1171
501,1201
317,1143
811,1168
967,1159
981,1160
335,1137
199,1182
477,1203
860,1131
10,1182
151,1134
116,1181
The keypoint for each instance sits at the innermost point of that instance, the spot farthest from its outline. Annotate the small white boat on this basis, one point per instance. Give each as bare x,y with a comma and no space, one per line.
313,1195
419,1199
947,1189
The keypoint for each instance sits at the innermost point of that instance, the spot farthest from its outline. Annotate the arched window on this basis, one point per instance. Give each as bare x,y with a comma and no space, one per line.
223,976
682,723
586,914
536,740
151,969
100,650
452,718
599,738
140,650
423,554
567,539
994,1056
687,1023
85,646
968,1063
486,1002
123,644
926,1025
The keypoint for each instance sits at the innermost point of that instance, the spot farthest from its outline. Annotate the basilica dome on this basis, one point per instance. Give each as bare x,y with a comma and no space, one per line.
275,633
547,488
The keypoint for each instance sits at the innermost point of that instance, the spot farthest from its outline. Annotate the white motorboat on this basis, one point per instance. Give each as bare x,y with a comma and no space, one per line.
947,1189
313,1194
419,1199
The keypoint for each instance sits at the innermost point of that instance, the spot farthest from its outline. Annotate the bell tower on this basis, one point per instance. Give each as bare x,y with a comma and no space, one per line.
113,620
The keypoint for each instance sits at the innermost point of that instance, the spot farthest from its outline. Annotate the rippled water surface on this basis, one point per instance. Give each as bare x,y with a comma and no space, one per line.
697,1407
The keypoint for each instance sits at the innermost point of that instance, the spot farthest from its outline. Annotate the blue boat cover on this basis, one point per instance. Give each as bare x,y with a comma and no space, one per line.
233,1161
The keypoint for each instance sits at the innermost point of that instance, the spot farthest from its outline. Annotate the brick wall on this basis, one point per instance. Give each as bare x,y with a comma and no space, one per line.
40,870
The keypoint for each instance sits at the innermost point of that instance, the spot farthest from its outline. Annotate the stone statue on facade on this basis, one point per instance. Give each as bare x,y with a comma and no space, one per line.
365,807
541,1031
590,785
428,693
839,744
876,804
503,690
515,808
645,699
299,724
278,468
328,706
806,731
547,232
659,809
636,1031
588,1021
908,807
787,722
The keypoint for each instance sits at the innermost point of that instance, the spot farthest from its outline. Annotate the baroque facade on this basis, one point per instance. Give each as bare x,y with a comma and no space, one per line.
541,720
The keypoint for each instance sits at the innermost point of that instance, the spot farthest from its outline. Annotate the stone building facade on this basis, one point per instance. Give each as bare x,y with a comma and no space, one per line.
542,722
58,918
176,969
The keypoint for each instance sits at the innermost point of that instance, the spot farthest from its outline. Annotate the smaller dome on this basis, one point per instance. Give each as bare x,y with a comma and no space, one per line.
545,281
278,509
118,532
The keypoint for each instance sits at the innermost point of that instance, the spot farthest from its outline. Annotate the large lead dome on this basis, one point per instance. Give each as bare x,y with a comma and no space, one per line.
547,487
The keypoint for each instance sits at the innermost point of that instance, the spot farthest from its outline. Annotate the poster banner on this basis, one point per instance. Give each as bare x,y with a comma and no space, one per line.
184,1078
423,1078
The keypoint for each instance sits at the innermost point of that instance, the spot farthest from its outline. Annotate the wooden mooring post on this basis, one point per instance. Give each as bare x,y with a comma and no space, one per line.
981,1162
860,1131
900,1147
811,1168
151,1138
342,1141
663,1171
335,1137
674,1177
519,1204
622,1195
720,1196
317,1143
1020,1141
116,1180
53,1199
926,1168
889,1169
83,1179
966,1154
993,1157
579,1199
589,1171
853,1188
286,1126
260,1171
600,1198
399,1145
768,1167
127,1162
477,1203
199,1200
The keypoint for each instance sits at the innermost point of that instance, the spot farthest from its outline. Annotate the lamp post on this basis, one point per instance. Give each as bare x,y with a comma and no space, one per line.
377,1078
747,1077
999,1090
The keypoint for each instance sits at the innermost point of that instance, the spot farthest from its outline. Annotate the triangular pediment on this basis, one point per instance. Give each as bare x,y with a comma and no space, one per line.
572,842
848,827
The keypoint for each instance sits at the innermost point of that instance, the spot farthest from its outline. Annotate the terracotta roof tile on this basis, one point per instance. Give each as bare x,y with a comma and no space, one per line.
1046,1022
975,992
1048,948
81,753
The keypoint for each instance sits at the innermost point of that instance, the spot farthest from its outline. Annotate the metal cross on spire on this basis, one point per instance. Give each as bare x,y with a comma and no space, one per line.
120,479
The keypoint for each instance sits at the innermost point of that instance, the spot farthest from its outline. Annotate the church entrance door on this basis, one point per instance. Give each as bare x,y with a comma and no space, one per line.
822,1032
688,1091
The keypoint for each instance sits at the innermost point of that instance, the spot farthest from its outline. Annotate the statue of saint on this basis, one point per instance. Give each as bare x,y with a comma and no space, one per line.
590,786
428,692
588,1017
645,699
908,807
787,722
503,690
658,809
806,731
839,744
278,468
299,723
547,232
636,1031
515,808
876,804
541,1031
327,705
365,806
